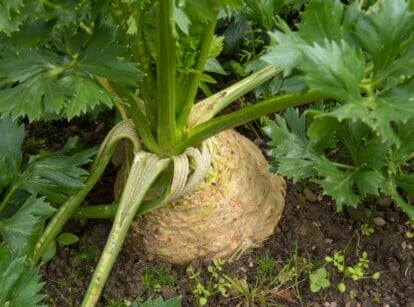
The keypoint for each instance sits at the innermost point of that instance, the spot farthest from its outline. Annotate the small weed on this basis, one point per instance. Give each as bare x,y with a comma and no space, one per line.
355,272
216,283
367,228
319,280
264,265
154,278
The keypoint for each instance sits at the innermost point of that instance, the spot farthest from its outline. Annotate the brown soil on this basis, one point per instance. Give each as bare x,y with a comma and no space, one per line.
277,274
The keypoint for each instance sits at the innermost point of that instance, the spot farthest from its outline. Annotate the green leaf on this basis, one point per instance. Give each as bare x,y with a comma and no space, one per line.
368,182
292,152
334,70
13,136
287,53
10,17
382,31
67,239
406,182
322,20
56,176
22,229
19,283
337,183
85,96
103,57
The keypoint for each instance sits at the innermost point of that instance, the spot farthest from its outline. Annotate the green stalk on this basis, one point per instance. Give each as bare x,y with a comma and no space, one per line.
7,197
166,76
145,169
193,81
139,118
213,126
209,107
120,131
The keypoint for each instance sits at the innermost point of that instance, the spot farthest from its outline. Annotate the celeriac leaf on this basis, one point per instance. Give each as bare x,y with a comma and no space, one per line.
21,230
10,19
368,182
383,29
102,57
406,182
293,155
336,183
322,20
56,176
13,136
333,69
19,282
85,96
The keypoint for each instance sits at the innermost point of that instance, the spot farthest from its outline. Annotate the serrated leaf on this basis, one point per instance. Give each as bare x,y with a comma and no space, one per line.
368,182
406,182
382,31
21,230
23,65
85,96
13,136
287,53
293,155
322,20
56,176
19,283
26,99
334,70
103,57
10,17
336,183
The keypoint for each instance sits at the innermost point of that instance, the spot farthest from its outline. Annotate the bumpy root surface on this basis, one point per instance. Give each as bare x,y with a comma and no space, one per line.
236,208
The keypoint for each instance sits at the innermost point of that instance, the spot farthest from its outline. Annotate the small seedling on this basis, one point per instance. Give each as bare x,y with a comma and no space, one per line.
319,280
356,272
367,228
154,278
216,283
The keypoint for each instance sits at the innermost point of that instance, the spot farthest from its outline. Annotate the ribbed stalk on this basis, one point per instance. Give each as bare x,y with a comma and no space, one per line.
213,126
122,130
145,169
209,107
166,76
193,81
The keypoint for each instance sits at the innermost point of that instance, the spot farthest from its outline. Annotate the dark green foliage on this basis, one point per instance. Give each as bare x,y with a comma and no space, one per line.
361,58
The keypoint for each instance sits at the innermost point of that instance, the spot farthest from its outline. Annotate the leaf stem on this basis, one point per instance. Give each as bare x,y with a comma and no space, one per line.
191,87
213,126
7,197
209,107
122,130
145,169
166,76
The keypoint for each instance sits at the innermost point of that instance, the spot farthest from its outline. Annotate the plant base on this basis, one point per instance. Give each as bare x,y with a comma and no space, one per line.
235,209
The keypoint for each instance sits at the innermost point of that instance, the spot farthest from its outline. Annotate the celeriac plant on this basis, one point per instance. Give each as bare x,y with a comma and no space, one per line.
149,59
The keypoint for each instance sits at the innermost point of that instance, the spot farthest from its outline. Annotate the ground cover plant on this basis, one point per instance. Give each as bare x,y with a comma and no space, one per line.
149,59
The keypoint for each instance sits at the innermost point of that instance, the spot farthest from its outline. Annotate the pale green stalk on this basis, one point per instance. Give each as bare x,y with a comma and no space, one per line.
144,170
209,107
215,125
190,88
166,76
122,130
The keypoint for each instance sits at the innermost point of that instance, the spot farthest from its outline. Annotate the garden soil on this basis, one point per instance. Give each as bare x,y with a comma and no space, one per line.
276,274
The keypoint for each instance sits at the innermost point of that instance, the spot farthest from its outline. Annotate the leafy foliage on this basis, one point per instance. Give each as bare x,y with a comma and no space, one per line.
358,146
19,282
50,68
27,186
